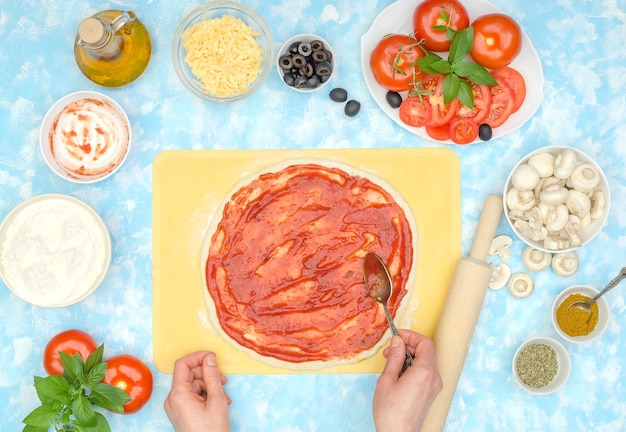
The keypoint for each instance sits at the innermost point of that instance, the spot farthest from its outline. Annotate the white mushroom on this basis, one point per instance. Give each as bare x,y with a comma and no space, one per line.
564,163
565,264
553,194
536,260
543,163
534,218
521,284
578,203
556,218
525,177
520,200
500,275
572,228
584,178
500,246
526,230
597,205
556,242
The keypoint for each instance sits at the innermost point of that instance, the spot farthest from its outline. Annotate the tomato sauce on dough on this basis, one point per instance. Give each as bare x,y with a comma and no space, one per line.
284,263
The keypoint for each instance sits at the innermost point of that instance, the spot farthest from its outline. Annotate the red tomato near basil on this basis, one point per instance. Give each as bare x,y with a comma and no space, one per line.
430,18
392,62
133,376
463,130
502,103
511,78
69,342
415,111
497,40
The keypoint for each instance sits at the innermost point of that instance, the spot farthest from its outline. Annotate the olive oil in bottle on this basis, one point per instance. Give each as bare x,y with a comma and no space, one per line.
112,48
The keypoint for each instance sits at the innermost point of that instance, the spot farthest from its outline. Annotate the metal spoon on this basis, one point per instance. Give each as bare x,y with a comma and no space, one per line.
585,305
378,283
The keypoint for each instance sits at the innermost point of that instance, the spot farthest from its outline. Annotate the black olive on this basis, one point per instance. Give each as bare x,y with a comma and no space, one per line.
317,45
285,62
323,69
484,132
307,70
313,82
338,95
393,99
288,78
293,48
329,55
352,108
304,48
324,78
298,61
300,82
319,56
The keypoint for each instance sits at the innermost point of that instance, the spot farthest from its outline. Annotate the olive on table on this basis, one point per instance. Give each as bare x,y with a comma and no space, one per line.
352,108
338,94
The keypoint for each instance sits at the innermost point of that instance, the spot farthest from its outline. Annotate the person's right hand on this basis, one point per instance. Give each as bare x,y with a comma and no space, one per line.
197,401
401,401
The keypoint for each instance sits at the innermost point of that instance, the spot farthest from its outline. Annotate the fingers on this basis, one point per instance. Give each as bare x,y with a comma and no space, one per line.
395,354
213,379
188,369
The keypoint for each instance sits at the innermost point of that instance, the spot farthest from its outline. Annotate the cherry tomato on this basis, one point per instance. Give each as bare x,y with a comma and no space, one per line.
463,130
482,104
133,376
502,103
511,78
441,113
497,40
415,112
430,18
69,342
393,62
439,133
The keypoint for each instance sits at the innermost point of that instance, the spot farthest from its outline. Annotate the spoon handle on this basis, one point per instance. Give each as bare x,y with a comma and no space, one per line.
617,279
408,358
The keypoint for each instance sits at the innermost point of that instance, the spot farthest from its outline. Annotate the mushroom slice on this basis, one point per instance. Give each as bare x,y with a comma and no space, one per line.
521,284
565,264
500,246
597,205
535,218
556,218
520,200
500,275
536,260
553,194
555,242
584,178
526,230
572,228
578,203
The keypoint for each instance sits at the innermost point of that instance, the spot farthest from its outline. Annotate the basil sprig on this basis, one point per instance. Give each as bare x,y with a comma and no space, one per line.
67,402
455,68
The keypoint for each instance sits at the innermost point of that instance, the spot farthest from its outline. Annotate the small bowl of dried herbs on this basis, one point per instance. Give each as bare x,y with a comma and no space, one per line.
575,324
541,365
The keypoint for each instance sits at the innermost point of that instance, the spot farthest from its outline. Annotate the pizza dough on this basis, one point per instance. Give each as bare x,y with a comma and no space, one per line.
281,263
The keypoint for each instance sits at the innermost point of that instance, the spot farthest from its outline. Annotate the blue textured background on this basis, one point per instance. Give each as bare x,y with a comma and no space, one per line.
582,48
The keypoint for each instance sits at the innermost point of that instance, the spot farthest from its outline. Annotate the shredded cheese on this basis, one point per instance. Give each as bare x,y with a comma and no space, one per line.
224,54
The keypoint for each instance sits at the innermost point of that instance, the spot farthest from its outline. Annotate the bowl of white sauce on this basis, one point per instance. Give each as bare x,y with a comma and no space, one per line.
85,137
55,250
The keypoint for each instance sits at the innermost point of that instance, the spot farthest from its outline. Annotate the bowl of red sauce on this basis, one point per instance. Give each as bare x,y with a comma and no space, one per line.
85,137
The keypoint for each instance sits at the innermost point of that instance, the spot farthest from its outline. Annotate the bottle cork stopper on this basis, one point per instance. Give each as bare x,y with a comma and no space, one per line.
91,30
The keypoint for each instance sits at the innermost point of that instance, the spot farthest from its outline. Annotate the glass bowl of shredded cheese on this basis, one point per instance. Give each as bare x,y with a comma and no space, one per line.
222,51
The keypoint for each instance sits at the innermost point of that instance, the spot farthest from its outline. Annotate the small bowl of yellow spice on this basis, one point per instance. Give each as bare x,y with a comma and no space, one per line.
575,324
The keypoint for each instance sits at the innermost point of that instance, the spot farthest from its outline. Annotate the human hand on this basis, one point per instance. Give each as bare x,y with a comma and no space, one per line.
401,401
197,401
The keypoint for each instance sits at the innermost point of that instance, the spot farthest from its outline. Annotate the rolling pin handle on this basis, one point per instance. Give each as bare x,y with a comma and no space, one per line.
487,226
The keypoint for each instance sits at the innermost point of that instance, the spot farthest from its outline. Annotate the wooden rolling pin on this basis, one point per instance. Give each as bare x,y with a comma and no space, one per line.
460,313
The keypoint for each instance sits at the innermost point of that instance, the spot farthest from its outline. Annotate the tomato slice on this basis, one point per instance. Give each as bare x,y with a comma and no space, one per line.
463,130
415,111
133,376
502,103
69,342
439,133
507,76
482,104
441,113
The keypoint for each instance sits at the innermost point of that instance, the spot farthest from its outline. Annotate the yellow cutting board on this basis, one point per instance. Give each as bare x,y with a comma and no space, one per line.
188,187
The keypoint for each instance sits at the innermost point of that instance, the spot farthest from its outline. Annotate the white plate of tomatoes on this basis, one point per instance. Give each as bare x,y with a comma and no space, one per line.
397,18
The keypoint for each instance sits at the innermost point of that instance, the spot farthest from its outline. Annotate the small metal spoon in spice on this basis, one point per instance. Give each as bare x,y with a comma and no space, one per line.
585,305
378,283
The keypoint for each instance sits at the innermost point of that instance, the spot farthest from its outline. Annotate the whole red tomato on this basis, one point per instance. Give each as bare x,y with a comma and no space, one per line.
393,62
431,18
133,376
69,342
497,40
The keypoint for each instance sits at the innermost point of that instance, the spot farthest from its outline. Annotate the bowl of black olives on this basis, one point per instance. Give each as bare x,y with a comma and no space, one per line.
305,62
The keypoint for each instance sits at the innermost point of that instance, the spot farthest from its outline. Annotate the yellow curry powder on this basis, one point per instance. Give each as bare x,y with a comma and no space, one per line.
576,321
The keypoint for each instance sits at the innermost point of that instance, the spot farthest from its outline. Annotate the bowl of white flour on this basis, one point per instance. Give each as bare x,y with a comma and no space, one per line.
54,250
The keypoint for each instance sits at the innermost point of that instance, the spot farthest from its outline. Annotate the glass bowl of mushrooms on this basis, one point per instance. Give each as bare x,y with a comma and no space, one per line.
556,199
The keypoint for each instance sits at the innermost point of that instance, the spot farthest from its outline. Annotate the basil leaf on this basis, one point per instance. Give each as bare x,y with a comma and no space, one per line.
31,428
441,66
96,374
73,365
465,94
425,63
94,358
109,397
461,45
42,416
475,73
52,388
84,412
450,88
102,424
